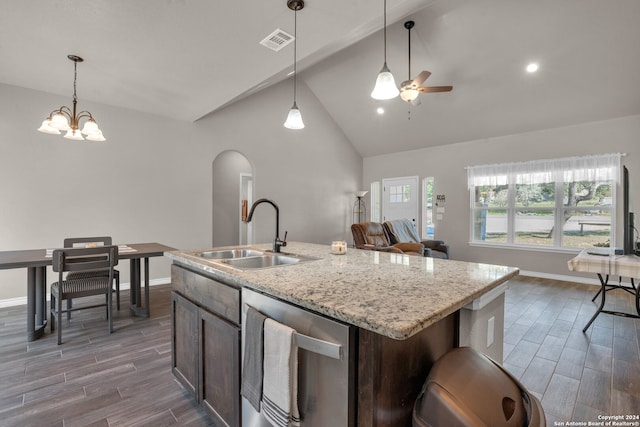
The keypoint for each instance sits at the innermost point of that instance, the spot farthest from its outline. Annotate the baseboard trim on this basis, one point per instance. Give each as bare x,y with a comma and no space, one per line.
12,302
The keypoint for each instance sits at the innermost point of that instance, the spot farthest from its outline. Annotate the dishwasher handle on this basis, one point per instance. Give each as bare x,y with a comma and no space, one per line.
319,346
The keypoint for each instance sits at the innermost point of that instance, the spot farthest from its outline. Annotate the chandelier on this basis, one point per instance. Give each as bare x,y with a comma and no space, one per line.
66,119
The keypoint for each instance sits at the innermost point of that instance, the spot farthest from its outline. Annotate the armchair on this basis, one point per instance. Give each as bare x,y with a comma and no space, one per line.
373,236
404,230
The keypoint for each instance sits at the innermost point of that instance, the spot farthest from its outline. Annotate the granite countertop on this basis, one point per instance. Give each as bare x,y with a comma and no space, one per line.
393,295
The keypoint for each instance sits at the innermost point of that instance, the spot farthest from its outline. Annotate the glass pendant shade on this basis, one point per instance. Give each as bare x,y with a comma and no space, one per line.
294,118
385,85
47,128
74,134
59,121
96,136
90,127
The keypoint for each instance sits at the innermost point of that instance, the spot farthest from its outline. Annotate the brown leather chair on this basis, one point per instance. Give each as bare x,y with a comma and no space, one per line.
404,230
373,236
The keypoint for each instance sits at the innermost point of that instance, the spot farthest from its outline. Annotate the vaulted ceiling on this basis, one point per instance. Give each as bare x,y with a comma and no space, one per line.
187,58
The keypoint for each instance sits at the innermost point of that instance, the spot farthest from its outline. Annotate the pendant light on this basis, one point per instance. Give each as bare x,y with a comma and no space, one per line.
294,118
385,87
66,119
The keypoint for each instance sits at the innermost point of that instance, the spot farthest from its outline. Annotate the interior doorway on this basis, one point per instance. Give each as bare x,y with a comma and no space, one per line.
400,199
232,182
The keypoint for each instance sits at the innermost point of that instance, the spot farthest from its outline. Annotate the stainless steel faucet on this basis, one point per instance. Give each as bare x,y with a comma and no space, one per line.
277,243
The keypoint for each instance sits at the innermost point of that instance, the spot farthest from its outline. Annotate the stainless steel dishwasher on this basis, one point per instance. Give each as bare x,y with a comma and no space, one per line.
326,370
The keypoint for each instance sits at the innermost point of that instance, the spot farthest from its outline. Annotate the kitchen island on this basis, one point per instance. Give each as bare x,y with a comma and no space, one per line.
403,311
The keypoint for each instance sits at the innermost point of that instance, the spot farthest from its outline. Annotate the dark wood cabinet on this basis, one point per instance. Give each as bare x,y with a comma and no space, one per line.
184,342
206,342
219,378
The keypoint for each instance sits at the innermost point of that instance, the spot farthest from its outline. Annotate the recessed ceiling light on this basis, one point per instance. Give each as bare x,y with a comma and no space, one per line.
380,110
532,67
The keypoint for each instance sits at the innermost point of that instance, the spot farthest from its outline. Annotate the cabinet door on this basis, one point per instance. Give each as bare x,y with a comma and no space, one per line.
184,342
220,369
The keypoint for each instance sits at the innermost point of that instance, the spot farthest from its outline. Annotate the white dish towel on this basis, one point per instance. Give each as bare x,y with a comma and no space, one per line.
280,380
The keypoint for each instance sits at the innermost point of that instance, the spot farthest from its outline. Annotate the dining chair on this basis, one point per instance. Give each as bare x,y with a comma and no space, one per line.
88,242
79,260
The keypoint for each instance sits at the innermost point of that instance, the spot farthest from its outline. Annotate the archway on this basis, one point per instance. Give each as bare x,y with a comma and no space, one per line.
232,177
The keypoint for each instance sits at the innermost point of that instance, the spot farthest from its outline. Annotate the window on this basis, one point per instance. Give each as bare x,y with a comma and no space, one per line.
428,231
559,203
399,194
375,201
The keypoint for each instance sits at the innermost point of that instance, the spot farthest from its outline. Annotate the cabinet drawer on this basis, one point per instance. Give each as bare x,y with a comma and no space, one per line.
208,293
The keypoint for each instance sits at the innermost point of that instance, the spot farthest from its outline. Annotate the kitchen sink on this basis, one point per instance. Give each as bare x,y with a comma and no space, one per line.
230,253
250,259
265,261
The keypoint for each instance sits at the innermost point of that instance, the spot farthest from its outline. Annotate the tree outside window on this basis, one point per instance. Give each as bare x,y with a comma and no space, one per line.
563,203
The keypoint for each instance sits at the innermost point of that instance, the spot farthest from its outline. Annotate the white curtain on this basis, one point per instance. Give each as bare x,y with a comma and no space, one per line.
603,167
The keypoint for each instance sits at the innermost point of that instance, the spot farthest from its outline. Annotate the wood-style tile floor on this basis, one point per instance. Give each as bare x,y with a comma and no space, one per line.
577,376
124,379
93,378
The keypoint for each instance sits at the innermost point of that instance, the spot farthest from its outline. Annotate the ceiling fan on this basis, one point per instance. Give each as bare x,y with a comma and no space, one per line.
410,89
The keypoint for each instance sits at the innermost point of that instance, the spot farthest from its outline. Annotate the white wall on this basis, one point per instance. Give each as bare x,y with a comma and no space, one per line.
447,164
151,181
128,187
311,174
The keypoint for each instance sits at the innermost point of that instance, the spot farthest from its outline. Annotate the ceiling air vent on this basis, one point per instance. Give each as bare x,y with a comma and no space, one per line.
277,40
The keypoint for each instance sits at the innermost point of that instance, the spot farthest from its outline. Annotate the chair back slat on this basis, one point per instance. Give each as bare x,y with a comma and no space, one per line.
72,242
84,259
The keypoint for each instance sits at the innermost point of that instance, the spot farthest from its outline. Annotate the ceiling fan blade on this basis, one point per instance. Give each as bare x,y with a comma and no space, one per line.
424,89
406,84
420,78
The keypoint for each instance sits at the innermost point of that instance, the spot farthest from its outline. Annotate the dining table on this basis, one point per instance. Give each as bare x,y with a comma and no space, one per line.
36,262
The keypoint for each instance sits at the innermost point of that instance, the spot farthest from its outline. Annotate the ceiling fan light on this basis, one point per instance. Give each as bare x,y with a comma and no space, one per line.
409,94
294,118
60,122
74,134
385,87
47,128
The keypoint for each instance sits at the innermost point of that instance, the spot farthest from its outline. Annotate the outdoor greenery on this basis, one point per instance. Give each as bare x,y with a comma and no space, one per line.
584,201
